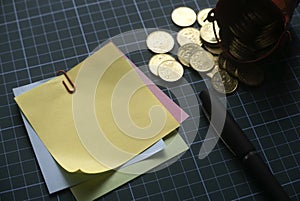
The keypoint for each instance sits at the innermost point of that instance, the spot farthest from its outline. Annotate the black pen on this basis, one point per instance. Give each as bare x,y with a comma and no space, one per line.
242,148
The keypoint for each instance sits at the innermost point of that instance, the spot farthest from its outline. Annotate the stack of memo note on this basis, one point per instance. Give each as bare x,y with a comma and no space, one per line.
112,126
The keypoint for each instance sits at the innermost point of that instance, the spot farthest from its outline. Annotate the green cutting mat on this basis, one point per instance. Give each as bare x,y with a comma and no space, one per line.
37,38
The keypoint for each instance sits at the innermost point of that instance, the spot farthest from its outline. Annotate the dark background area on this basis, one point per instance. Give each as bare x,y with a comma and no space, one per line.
38,38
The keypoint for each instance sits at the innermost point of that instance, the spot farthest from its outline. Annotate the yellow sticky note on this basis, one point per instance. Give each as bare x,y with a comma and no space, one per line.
108,181
111,117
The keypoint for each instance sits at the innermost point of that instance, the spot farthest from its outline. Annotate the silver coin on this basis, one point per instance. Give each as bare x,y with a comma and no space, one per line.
183,16
207,33
160,42
202,15
156,60
211,73
222,82
213,50
188,35
186,51
170,70
202,61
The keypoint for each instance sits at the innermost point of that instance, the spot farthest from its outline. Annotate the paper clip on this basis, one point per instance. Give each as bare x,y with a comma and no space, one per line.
70,90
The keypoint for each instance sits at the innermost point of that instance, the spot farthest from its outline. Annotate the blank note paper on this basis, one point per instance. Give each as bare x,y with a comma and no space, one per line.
102,126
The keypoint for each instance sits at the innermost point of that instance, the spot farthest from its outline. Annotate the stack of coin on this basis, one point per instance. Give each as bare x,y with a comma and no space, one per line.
249,74
253,32
249,31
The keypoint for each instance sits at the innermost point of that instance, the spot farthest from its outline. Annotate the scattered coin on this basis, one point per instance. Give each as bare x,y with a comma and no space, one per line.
183,16
188,35
216,58
160,42
231,68
228,65
224,72
211,73
186,51
202,61
221,61
213,50
207,34
156,60
170,70
202,15
250,75
222,82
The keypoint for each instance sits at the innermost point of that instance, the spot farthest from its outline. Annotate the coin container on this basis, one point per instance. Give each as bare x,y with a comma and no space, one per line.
251,30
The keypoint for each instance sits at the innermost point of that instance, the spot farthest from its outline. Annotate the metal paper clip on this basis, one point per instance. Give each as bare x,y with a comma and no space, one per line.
70,90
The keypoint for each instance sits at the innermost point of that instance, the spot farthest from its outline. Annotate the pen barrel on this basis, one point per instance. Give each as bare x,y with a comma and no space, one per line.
264,177
242,148
232,135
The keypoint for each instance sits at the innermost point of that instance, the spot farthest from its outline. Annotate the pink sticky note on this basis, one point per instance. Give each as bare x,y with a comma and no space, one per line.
179,114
